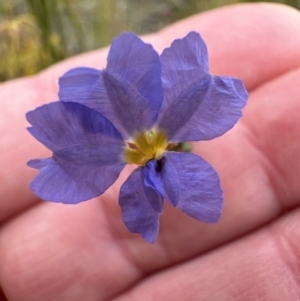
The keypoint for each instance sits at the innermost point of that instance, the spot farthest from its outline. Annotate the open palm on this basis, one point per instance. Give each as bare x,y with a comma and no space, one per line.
57,252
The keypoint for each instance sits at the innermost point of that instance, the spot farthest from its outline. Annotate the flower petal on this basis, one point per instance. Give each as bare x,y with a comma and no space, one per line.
86,86
58,125
131,110
188,183
82,85
196,106
128,92
185,62
161,175
68,183
141,206
139,64
87,152
186,59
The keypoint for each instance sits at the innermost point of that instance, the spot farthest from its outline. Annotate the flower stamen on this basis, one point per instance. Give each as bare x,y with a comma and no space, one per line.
145,147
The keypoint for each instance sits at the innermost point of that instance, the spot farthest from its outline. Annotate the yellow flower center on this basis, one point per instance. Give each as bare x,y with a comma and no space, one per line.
146,146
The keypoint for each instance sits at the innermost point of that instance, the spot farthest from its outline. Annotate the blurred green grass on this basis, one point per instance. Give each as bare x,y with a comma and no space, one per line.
37,33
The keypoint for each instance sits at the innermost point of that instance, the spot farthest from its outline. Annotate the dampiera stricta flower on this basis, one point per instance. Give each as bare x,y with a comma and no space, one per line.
129,113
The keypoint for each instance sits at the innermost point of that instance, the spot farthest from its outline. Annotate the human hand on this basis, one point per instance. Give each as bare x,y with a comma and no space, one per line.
57,252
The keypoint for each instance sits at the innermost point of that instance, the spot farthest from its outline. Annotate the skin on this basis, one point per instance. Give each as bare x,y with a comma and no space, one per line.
53,251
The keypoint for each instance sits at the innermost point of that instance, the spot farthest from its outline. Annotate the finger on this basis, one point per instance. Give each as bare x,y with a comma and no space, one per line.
95,229
185,229
185,235
230,52
75,259
260,266
94,233
259,160
16,145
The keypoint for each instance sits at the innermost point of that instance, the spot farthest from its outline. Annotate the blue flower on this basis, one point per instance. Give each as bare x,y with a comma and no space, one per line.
129,113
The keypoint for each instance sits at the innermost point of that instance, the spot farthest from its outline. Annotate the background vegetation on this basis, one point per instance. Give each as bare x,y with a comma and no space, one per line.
37,33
